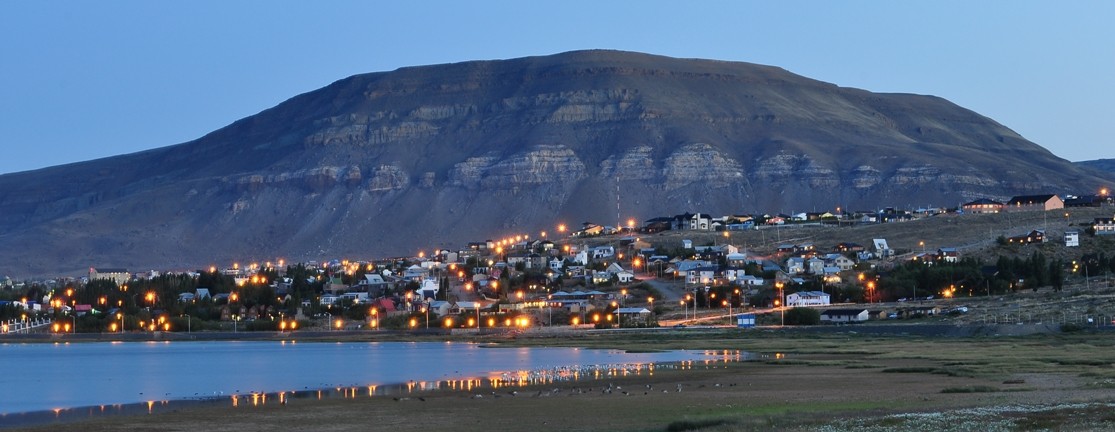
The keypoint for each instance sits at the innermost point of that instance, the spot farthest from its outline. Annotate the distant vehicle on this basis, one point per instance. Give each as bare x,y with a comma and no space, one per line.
961,309
892,316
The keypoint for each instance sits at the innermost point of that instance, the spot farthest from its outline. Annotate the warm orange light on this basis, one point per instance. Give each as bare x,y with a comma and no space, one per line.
112,327
491,322
576,321
338,324
413,323
561,228
595,317
448,322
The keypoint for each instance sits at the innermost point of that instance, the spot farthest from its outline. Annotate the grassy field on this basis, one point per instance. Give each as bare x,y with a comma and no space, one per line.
795,382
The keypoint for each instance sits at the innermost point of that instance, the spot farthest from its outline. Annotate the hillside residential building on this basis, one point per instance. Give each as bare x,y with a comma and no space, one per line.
949,255
1034,203
807,298
982,205
1072,238
1035,236
1104,226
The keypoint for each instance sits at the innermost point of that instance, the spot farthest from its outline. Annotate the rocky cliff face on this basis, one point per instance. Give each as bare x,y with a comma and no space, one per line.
387,163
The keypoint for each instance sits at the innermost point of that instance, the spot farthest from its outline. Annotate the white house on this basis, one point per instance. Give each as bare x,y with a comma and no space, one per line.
807,298
603,252
625,276
844,315
841,261
701,275
1072,238
815,266
795,265
750,280
556,264
736,259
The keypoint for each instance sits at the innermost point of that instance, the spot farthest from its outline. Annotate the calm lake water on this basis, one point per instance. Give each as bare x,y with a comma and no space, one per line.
40,377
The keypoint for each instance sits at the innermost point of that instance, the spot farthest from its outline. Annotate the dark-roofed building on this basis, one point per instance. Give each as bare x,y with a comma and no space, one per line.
1034,203
1084,201
982,205
844,315
1035,236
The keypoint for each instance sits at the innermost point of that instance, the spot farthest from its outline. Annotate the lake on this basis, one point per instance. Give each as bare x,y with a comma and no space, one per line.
60,376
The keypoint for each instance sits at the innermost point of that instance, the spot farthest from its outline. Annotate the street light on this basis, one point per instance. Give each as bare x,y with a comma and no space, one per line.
189,323
781,301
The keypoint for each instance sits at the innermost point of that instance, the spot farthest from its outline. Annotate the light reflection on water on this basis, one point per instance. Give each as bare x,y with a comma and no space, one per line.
91,375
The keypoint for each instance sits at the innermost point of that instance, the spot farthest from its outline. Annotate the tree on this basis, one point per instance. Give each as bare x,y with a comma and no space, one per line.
803,316
1057,274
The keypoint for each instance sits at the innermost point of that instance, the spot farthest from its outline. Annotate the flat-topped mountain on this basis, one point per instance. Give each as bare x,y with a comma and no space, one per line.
421,157
1104,165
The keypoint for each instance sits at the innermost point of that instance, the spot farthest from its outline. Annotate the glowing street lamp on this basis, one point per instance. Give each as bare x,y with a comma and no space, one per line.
780,301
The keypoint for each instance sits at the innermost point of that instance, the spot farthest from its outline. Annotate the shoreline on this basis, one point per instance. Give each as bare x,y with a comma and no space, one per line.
400,391
810,381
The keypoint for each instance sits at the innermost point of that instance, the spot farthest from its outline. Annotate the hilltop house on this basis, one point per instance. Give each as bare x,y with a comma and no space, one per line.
1034,203
982,205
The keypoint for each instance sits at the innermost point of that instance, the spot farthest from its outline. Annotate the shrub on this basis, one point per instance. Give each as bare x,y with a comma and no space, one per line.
803,316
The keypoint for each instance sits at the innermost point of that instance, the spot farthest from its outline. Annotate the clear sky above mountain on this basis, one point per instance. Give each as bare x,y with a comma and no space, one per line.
84,80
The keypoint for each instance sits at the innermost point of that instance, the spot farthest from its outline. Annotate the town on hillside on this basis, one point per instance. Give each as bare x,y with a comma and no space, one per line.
690,269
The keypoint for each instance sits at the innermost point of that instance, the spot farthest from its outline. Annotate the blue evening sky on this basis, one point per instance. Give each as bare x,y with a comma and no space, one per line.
81,80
